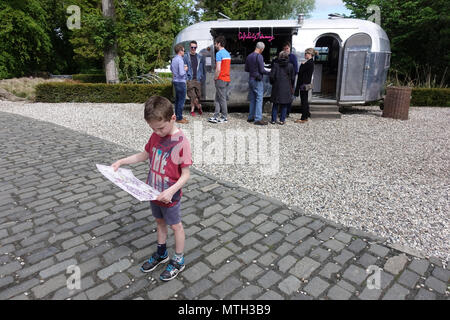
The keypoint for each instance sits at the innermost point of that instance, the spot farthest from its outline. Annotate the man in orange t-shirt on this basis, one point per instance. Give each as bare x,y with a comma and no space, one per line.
222,81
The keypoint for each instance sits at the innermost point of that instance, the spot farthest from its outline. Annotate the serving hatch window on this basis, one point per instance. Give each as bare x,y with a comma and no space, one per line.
240,42
323,53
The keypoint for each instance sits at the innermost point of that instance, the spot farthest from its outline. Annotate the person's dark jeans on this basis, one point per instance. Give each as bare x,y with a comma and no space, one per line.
283,111
255,95
305,105
180,97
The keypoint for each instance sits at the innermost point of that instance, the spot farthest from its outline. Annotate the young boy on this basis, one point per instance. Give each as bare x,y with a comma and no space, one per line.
169,155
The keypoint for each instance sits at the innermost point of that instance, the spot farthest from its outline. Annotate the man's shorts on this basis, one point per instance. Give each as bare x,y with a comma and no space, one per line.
194,90
171,215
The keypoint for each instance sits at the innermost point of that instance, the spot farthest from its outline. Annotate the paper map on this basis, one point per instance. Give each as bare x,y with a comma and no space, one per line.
124,179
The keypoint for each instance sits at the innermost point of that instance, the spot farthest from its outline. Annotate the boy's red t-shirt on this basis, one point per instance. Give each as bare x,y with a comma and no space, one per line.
167,156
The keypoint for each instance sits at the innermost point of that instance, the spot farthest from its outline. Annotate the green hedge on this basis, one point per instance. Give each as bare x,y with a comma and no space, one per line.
431,97
100,92
90,78
165,74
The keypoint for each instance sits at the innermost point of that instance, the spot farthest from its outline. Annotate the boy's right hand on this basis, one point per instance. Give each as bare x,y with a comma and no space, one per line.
116,165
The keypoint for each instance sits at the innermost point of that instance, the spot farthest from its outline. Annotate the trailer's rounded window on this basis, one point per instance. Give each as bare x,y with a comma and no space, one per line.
359,40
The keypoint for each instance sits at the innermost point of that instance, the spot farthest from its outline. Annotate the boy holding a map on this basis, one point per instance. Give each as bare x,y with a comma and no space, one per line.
169,155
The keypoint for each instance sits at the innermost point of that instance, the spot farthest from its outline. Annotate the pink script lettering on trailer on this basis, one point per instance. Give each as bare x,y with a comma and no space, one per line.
254,36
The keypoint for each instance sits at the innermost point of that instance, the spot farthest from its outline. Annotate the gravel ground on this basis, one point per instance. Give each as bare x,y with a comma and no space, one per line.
384,176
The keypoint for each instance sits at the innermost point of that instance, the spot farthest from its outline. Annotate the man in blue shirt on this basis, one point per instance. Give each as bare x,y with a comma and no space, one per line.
254,64
179,70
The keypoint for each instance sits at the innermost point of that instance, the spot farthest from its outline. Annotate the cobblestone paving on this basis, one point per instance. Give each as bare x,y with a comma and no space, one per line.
57,210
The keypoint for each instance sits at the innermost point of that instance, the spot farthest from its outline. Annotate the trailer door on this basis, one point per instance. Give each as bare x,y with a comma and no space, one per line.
355,67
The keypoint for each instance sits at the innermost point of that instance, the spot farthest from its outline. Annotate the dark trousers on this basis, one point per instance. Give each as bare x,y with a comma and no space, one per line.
289,108
180,97
305,105
283,110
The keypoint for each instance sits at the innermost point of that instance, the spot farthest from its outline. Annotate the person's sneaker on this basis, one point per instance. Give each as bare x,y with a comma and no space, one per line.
222,120
193,113
260,123
250,120
272,122
172,270
154,261
200,112
213,120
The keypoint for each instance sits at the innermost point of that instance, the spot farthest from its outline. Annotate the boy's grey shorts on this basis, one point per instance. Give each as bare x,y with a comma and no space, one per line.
171,215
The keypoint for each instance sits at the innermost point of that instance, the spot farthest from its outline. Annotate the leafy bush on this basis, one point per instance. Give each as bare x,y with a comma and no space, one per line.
165,74
430,97
99,92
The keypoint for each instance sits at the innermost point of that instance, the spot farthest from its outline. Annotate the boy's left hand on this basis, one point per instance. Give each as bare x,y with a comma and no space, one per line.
165,196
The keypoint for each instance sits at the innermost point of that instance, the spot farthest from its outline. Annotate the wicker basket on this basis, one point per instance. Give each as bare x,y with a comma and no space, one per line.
396,102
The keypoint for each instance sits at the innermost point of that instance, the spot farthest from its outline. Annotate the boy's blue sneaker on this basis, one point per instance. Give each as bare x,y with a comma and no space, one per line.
172,270
222,120
154,261
213,120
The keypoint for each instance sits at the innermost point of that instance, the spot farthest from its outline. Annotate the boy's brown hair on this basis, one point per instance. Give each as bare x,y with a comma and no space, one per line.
158,109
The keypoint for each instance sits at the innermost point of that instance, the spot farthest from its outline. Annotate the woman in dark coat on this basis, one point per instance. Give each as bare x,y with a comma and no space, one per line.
282,78
305,73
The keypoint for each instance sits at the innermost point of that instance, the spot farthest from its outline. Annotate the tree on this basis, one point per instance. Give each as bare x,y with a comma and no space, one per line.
419,31
24,40
110,49
143,30
255,9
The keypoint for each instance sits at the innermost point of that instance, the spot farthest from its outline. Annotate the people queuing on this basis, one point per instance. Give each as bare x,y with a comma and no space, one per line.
221,81
254,65
179,72
293,60
282,79
304,84
189,76
195,76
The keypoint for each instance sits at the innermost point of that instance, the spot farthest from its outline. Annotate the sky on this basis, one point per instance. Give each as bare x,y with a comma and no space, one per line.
324,7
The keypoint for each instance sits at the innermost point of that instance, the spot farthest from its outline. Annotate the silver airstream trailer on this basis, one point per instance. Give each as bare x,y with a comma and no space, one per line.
350,69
